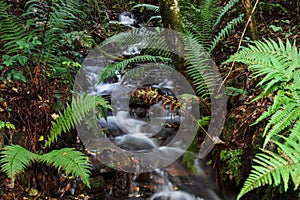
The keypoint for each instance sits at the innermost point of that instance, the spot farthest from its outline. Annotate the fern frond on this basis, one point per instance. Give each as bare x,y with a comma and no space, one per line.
273,108
14,159
269,59
52,20
10,29
158,17
274,169
226,31
71,161
207,18
74,114
225,10
110,70
279,64
202,23
129,38
281,119
199,67
295,131
149,7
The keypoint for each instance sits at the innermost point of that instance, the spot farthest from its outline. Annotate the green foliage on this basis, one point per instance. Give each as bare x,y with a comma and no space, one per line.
233,163
202,21
279,64
149,7
200,24
189,160
10,28
275,168
6,125
145,6
15,159
232,91
199,67
110,70
71,161
44,36
155,49
74,113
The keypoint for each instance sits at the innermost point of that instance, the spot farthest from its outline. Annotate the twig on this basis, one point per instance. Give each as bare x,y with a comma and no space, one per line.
240,43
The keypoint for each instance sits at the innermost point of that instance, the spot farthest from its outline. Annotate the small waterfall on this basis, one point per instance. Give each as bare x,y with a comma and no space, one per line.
126,19
131,133
137,128
174,195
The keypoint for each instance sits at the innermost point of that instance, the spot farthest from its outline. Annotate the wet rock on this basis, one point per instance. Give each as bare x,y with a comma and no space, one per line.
173,195
135,142
121,184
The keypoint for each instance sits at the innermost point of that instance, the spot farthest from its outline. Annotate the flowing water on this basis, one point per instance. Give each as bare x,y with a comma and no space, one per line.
131,127
174,182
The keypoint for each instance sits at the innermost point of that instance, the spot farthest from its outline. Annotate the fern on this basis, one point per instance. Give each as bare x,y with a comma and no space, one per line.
224,32
149,7
199,67
275,169
14,159
44,30
223,11
155,9
110,70
205,20
52,19
71,161
74,114
10,29
279,64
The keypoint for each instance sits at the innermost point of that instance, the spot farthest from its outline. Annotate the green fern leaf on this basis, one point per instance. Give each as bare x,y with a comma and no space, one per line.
279,64
14,159
295,130
110,70
10,29
199,68
273,108
226,31
74,114
149,7
281,120
274,169
225,10
202,24
72,161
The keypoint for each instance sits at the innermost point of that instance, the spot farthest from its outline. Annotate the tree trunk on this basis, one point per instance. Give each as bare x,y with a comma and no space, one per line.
171,18
252,25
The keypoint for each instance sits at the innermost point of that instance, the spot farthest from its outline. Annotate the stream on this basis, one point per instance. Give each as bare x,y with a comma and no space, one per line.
136,151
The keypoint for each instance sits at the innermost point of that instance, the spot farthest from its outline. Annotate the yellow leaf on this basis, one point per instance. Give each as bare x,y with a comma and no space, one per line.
3,86
41,138
4,103
15,90
54,116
